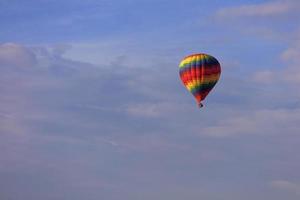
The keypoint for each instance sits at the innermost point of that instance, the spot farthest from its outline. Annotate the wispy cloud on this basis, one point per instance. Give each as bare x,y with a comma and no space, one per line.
289,72
272,20
268,9
258,122
292,54
12,55
286,185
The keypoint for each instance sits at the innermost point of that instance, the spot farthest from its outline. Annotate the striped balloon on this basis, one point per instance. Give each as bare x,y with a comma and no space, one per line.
199,73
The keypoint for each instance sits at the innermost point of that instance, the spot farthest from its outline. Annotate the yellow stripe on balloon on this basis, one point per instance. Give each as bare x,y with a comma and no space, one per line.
191,59
212,78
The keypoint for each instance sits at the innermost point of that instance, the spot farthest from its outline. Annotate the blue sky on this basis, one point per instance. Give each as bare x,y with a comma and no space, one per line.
92,106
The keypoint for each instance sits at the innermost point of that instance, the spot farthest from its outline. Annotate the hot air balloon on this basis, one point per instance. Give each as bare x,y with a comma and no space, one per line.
199,73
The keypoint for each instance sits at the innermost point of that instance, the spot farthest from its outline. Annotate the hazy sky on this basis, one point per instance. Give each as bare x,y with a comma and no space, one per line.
92,107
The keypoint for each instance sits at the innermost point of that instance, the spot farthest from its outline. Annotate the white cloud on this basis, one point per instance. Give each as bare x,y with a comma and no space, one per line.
257,10
292,54
161,109
265,76
289,73
286,185
280,121
292,74
16,55
146,110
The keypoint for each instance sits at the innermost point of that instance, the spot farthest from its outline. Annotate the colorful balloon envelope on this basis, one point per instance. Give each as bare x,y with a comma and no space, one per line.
199,74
